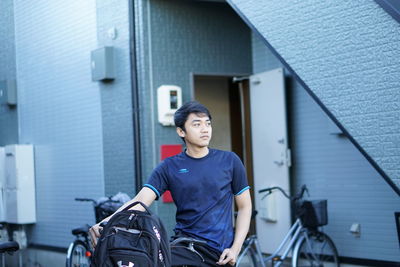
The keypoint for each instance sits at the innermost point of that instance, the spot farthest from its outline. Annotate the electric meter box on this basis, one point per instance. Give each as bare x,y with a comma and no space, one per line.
8,92
169,99
2,186
20,184
103,64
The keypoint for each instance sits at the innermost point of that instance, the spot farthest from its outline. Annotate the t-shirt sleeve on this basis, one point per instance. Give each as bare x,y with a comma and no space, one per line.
239,181
158,180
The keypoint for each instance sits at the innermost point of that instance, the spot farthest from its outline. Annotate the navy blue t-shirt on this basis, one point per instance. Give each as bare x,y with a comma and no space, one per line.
203,190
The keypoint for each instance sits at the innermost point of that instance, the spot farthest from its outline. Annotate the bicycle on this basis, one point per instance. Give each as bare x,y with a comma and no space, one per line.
308,245
79,252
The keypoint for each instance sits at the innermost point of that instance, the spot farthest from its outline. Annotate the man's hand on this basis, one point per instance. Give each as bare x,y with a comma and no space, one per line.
229,255
94,232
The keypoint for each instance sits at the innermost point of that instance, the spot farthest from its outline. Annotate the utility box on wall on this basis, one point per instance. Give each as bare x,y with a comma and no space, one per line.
169,99
20,184
8,92
102,63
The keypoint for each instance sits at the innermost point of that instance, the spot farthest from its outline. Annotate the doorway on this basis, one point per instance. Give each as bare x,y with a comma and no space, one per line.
229,105
262,145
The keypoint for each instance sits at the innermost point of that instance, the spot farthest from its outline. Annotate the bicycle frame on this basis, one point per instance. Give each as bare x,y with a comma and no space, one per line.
290,239
253,240
286,245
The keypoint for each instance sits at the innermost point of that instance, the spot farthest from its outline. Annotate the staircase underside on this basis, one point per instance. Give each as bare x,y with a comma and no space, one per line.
346,54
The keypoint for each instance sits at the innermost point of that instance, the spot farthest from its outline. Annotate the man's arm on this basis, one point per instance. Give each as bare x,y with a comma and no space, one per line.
243,203
146,196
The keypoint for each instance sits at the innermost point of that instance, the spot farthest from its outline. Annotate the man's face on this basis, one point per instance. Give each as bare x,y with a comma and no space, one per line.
198,130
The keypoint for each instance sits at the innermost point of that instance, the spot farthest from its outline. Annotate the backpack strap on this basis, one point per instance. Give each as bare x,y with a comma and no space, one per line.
136,203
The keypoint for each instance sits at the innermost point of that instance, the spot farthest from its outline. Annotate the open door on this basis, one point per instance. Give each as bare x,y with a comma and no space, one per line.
271,156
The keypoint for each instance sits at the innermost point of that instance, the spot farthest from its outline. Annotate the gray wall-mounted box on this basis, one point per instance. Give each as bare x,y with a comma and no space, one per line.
102,64
8,92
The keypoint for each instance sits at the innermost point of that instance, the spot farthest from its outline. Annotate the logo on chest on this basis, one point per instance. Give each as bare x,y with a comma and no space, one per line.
183,170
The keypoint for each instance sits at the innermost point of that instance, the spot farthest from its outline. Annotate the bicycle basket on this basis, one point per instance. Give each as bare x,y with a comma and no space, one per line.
106,208
313,213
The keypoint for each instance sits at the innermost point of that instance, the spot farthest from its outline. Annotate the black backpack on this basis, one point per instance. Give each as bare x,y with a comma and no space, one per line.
133,238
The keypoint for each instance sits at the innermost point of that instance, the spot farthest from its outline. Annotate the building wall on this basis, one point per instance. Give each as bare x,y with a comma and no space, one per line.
334,169
347,53
8,116
59,112
176,39
116,99
82,130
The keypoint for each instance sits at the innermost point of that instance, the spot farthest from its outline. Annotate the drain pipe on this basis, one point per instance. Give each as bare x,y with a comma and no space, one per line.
135,99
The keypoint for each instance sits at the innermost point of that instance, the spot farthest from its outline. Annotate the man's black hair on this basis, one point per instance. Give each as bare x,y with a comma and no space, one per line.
182,114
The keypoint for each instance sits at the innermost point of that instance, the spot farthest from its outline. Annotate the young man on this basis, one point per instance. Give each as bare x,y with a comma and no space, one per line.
203,183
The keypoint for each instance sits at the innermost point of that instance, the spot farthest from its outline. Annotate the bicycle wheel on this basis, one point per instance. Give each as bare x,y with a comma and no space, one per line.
316,249
78,255
248,259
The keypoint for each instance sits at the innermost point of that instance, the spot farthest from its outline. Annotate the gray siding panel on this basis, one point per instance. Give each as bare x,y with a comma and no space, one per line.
334,169
116,100
8,117
60,112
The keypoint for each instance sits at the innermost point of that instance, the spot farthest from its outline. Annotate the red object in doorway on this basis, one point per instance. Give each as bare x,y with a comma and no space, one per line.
169,151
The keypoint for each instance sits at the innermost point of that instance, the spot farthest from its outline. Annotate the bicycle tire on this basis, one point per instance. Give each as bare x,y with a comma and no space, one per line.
248,260
76,255
316,250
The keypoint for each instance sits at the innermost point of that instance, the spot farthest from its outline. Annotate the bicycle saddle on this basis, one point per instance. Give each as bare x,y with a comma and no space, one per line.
83,230
10,246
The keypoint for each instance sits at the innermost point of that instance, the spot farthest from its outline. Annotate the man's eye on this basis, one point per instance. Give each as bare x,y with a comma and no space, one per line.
196,124
208,123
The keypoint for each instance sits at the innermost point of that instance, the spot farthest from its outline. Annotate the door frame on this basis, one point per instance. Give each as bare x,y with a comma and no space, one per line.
216,74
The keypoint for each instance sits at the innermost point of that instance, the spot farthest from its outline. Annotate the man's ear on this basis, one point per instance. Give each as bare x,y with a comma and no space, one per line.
180,132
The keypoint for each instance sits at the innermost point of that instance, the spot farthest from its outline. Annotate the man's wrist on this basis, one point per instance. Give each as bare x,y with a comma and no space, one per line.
236,249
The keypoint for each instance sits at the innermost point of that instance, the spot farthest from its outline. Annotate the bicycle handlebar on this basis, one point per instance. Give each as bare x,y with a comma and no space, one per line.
299,195
270,189
95,202
85,199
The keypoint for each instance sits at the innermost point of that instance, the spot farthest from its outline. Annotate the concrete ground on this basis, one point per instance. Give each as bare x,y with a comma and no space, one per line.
36,258
43,258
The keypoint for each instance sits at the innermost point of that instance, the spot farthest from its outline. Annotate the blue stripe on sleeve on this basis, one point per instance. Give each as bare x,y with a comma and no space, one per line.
153,188
241,191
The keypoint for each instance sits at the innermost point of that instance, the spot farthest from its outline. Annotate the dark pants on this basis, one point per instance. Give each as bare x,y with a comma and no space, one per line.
184,257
